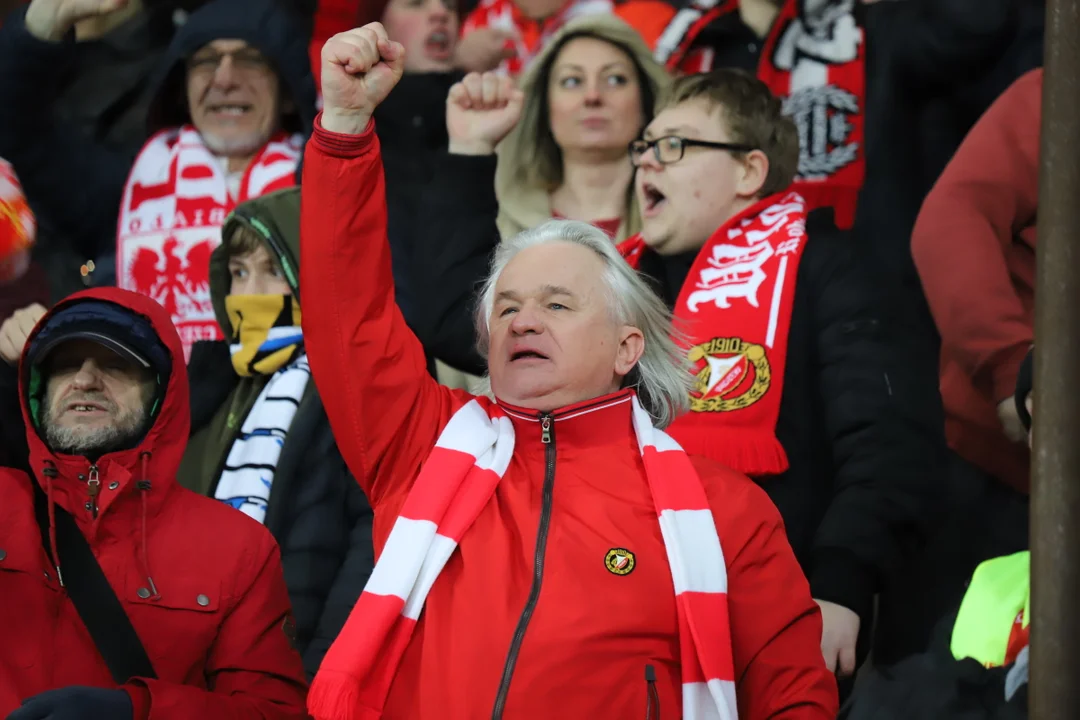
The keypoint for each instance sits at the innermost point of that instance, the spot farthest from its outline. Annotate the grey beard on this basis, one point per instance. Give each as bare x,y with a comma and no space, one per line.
95,442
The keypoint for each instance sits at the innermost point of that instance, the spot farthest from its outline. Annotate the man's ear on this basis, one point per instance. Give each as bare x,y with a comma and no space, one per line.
754,173
631,348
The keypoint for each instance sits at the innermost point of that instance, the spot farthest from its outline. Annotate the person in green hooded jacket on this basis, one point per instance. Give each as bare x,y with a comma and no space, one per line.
260,440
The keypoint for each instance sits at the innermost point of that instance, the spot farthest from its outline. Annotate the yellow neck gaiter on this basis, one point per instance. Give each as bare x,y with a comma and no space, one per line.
266,332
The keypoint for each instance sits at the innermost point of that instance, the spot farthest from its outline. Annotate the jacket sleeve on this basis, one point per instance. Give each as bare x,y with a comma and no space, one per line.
252,671
385,409
780,673
72,182
452,257
987,194
351,578
882,415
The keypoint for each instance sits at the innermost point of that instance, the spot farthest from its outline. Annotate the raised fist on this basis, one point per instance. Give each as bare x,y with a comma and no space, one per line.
16,329
359,69
480,111
50,20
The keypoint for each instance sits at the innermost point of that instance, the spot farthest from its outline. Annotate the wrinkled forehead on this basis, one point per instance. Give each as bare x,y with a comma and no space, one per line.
589,54
225,45
552,268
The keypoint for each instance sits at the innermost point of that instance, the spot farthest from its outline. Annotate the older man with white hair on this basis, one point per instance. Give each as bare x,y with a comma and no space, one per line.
551,550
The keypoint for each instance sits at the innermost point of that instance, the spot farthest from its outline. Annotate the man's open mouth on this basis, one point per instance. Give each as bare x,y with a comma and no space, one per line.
438,43
86,407
653,199
527,355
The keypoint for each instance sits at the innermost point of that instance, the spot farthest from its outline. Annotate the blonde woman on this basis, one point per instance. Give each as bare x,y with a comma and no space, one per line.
561,142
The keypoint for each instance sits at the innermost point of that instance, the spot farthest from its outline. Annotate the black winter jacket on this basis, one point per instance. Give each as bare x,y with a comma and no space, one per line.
317,512
935,686
411,125
933,67
863,434
63,101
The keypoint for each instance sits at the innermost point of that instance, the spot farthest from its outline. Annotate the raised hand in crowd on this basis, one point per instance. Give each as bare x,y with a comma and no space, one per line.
360,68
1010,420
51,20
16,329
481,110
840,631
483,49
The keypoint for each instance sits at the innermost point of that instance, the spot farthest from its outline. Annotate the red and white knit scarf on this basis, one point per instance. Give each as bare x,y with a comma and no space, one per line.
815,59
455,483
175,203
735,309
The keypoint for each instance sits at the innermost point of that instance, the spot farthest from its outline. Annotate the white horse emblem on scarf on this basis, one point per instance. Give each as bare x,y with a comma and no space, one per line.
734,271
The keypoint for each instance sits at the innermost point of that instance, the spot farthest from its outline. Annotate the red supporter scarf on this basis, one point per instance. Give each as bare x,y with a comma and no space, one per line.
815,59
735,310
530,35
175,203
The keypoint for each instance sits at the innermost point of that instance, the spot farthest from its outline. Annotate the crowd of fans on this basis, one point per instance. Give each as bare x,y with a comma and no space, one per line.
614,358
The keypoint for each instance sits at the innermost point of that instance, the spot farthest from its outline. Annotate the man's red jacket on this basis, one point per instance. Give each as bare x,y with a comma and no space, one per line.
216,631
974,246
583,652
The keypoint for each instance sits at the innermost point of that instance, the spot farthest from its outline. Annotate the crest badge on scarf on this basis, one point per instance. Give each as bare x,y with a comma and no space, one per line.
735,310
266,332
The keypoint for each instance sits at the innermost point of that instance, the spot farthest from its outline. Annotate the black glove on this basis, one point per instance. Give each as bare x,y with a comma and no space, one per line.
76,703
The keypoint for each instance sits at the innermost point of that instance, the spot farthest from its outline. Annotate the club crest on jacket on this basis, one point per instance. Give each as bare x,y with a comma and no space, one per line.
619,561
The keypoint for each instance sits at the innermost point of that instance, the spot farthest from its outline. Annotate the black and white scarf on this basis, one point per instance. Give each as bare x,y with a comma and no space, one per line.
249,469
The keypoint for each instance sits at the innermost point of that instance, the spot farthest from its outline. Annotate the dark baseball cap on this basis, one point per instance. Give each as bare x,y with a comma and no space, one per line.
113,326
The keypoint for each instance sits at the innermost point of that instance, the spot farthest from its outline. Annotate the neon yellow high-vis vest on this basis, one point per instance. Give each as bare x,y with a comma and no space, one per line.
999,591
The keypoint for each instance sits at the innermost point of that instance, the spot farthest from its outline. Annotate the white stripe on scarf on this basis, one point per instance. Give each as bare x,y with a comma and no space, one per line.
249,469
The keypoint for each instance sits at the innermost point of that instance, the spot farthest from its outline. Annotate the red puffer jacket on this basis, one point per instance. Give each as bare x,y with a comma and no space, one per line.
491,635
215,633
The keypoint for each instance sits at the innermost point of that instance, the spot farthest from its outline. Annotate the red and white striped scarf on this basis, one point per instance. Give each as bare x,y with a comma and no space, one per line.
175,202
455,483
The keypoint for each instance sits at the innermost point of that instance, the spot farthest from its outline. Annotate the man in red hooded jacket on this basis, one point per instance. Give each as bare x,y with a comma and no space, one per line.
105,397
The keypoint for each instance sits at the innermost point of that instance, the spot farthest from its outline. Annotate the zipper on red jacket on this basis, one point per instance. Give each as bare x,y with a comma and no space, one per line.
93,487
547,436
652,695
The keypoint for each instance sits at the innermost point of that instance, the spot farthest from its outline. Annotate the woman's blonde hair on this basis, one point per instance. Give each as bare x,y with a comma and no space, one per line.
530,162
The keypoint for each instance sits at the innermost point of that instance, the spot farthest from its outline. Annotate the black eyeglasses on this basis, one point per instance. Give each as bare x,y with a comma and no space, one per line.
670,149
245,59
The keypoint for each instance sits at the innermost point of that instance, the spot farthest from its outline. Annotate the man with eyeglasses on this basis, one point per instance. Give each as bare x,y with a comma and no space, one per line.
799,381
233,100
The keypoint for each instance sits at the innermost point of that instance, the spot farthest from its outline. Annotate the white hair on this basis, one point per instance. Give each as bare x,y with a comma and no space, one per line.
661,377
